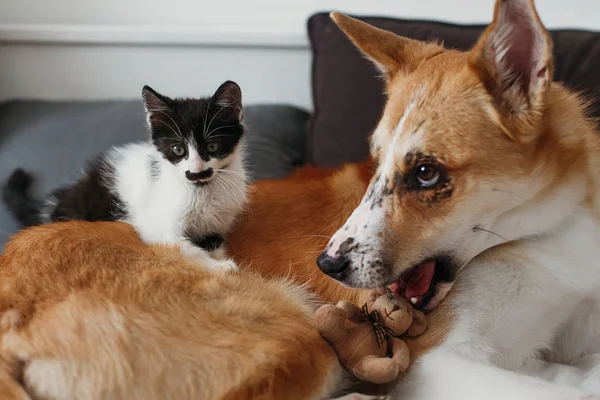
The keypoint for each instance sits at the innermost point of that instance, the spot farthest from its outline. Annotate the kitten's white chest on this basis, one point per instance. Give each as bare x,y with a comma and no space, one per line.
161,212
155,202
163,206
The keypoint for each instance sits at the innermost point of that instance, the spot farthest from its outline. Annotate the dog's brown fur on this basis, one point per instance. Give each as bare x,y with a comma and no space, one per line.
88,311
289,221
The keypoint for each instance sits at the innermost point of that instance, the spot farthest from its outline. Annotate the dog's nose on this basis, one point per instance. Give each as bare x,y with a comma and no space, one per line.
333,266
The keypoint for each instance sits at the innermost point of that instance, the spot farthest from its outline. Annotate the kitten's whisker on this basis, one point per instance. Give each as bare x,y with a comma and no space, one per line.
258,193
174,123
213,118
234,195
218,182
216,136
171,128
206,115
220,127
245,177
237,188
233,185
173,140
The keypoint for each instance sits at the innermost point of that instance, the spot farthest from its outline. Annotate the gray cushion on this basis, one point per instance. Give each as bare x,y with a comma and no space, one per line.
53,140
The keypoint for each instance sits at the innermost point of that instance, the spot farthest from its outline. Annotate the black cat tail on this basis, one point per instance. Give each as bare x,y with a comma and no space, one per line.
15,194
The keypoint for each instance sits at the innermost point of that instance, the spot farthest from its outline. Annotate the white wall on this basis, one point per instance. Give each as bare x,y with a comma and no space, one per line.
90,49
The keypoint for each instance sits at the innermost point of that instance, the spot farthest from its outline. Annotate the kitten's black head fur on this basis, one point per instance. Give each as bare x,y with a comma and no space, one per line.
213,125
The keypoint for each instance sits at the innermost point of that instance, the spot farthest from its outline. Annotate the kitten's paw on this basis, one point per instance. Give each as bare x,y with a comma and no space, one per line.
223,265
219,254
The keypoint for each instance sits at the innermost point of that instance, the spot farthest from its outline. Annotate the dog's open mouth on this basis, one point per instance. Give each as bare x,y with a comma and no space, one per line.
426,284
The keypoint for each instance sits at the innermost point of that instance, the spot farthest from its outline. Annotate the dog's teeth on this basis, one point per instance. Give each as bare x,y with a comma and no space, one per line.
413,300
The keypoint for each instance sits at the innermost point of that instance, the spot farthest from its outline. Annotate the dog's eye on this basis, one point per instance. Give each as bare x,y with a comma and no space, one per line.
212,147
178,151
428,175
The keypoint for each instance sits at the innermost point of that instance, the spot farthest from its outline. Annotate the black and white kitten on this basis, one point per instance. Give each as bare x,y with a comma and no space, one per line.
185,186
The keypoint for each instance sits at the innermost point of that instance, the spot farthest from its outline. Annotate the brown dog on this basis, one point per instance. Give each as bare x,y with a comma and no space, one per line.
89,311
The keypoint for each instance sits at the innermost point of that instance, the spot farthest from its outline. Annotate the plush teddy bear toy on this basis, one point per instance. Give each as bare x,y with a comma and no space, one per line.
366,339
396,313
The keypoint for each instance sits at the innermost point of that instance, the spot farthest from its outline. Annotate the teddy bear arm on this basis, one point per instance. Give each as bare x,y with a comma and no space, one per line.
375,369
351,310
330,321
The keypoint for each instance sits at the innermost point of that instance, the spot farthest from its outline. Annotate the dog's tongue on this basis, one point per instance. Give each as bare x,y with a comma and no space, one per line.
420,280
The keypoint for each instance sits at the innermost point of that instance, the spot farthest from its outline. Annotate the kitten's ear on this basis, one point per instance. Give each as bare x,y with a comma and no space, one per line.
513,59
154,101
229,97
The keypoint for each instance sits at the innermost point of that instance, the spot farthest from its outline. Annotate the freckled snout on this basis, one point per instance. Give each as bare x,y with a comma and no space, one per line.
353,255
337,259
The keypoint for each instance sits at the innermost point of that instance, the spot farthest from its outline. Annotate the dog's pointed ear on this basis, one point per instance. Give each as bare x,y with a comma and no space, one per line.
389,52
513,59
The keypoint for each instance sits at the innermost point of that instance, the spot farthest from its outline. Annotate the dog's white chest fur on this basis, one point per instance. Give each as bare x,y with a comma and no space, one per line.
519,300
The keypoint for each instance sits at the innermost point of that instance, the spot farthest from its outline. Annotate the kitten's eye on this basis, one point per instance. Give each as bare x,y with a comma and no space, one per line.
179,151
212,147
428,175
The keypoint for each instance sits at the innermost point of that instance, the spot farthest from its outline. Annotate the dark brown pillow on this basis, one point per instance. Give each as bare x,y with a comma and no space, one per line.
348,96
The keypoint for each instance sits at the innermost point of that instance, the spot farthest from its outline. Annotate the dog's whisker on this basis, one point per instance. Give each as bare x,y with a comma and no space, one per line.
507,192
479,229
307,236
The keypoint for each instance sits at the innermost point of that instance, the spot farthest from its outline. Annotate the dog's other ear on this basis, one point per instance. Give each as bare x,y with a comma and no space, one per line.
513,59
389,52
